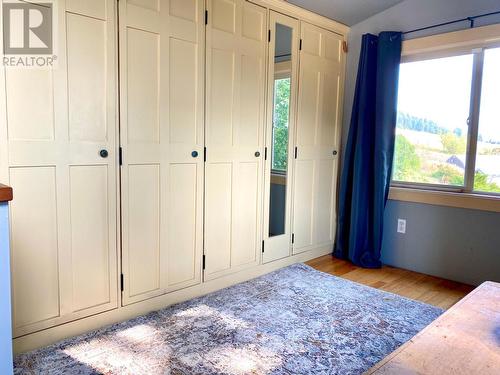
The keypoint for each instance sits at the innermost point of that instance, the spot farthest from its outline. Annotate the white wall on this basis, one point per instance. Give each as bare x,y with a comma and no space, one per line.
457,244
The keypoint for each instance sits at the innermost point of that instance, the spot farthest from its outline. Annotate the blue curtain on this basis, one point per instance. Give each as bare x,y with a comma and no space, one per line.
367,166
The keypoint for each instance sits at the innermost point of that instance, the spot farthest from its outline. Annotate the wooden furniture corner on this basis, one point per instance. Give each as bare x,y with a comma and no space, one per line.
5,193
464,340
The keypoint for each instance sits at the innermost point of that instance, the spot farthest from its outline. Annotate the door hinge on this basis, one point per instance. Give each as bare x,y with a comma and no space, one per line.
206,17
296,152
262,245
120,156
204,154
121,282
293,237
269,36
204,261
300,45
265,153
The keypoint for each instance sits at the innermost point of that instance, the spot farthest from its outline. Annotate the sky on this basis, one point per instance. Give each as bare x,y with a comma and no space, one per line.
439,90
489,118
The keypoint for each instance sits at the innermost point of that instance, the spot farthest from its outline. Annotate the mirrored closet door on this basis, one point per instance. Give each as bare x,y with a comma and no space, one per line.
282,86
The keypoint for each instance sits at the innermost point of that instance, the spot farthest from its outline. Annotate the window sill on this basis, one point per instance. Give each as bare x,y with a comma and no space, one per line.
443,198
278,179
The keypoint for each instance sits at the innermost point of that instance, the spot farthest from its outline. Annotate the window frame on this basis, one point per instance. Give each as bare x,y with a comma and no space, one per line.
471,41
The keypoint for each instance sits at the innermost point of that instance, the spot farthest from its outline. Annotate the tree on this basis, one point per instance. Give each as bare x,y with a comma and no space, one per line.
406,160
481,183
406,121
280,126
453,144
449,175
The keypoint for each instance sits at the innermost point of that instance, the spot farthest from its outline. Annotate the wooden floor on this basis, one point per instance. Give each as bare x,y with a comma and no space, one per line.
429,289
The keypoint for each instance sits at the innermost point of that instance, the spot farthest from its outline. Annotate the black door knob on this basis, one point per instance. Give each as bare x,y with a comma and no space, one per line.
194,154
257,154
334,152
103,153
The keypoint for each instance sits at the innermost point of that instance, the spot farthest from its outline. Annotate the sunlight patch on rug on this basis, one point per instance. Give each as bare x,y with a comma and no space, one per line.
292,321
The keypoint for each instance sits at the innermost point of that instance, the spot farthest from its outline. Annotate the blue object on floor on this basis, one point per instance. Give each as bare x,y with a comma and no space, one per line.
292,321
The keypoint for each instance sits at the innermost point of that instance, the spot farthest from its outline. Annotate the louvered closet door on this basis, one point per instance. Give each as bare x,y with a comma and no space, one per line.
318,120
235,65
161,83
64,214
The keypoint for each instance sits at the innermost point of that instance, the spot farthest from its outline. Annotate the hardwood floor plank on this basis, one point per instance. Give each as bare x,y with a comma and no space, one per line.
428,289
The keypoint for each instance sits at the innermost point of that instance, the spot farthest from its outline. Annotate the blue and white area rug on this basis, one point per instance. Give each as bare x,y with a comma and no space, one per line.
293,321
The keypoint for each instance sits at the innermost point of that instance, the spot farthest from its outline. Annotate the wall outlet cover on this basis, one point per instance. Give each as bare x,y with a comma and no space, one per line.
401,226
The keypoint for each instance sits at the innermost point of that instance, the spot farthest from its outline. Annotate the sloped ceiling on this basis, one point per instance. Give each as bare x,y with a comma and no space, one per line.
348,12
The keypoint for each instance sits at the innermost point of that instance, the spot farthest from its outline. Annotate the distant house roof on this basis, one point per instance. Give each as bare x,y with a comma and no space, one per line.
455,160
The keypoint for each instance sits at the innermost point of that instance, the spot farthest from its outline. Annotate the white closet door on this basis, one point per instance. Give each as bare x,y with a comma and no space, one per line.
318,124
63,218
279,246
235,65
161,77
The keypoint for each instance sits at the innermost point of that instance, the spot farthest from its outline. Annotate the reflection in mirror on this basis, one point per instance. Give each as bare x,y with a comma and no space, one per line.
281,114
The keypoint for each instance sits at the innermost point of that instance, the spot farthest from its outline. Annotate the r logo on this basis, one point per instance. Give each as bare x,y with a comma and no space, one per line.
27,28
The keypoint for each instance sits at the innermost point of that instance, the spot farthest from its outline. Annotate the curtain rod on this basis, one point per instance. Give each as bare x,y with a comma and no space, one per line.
470,19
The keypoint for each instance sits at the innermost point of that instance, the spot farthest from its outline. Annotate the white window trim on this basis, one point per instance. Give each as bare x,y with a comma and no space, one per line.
443,45
283,70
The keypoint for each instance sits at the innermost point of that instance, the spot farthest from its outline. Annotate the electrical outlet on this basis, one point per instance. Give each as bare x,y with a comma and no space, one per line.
401,226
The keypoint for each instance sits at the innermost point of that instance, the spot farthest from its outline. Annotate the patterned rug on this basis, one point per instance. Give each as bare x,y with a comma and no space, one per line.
293,321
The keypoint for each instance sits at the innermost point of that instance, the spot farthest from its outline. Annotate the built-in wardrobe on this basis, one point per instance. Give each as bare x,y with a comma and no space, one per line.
177,147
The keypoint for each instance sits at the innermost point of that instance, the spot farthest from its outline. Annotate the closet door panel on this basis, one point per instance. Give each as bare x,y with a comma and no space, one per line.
251,78
330,111
142,87
222,79
91,178
224,14
35,253
146,4
186,139
143,235
303,209
91,8
86,53
183,114
162,117
64,218
218,216
182,254
236,37
89,235
324,220
185,9
35,87
245,211
308,112
318,120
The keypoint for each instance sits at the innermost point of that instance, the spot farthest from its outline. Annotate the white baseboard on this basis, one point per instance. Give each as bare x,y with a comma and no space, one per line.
77,327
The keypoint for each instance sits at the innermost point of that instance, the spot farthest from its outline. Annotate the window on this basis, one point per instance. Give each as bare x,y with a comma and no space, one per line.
448,123
280,125
487,166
